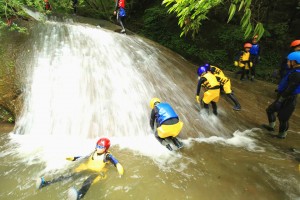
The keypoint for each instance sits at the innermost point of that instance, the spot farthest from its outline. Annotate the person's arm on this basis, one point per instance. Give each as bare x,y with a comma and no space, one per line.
117,5
115,162
294,82
201,80
152,118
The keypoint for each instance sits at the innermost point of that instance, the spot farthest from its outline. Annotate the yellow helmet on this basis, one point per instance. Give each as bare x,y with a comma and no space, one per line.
153,101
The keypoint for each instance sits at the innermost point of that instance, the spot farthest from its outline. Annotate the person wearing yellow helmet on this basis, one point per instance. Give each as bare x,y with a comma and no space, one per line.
168,125
95,164
285,103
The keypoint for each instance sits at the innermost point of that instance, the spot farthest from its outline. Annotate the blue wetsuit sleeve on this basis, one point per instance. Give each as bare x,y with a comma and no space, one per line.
112,159
201,80
294,82
152,118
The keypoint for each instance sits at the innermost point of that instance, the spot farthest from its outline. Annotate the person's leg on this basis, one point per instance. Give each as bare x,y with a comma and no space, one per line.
214,107
42,182
271,118
284,115
242,73
237,105
168,146
176,142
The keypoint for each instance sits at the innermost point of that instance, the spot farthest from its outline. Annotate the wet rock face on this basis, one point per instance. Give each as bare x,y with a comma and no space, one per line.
10,92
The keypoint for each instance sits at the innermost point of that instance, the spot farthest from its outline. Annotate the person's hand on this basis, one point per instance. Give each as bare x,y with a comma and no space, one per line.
115,12
236,63
197,99
70,158
120,169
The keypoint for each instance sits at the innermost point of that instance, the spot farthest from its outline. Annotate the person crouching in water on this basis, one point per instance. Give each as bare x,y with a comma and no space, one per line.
212,89
285,103
95,164
167,121
225,84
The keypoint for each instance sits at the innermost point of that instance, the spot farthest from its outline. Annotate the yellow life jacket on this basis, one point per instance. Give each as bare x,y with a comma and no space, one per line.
222,79
217,71
94,163
211,81
244,59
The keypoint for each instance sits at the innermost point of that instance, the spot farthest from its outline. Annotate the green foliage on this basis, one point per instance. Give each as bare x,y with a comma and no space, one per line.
191,13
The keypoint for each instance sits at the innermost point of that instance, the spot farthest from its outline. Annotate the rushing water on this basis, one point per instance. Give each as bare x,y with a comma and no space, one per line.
85,82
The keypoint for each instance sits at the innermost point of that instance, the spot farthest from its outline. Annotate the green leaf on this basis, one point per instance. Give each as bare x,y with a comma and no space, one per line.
231,12
241,5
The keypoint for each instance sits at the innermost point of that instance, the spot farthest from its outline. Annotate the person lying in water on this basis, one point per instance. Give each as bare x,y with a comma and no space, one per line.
95,163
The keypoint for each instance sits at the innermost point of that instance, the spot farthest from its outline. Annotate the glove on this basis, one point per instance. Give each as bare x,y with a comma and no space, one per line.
197,99
120,169
236,63
70,158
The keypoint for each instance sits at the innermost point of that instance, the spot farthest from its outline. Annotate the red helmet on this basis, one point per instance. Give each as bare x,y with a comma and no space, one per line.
103,142
247,45
295,43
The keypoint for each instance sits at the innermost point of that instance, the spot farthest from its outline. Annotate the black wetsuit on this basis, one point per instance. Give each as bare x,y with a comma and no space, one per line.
288,104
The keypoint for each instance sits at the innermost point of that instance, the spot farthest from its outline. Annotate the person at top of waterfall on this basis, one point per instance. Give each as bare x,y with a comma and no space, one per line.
120,13
285,103
243,61
47,5
167,122
225,83
254,55
95,163
284,68
212,89
75,5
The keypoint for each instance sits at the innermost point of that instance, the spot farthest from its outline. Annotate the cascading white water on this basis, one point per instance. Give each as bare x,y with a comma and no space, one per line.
87,82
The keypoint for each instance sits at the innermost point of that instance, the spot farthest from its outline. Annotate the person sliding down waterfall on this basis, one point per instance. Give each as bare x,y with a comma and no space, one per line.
285,103
95,164
225,83
167,121
212,89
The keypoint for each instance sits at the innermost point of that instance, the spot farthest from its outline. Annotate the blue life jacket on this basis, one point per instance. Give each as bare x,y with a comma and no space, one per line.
254,50
165,112
284,82
122,12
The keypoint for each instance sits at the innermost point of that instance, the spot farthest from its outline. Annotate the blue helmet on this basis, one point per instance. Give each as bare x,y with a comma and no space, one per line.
207,66
201,70
294,56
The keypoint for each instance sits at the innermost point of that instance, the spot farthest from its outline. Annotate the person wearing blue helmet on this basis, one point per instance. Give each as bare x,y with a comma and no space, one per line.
225,84
212,89
285,103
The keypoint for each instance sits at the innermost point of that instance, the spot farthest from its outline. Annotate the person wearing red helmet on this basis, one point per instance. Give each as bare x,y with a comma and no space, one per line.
285,103
95,163
47,5
243,61
120,13
284,68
